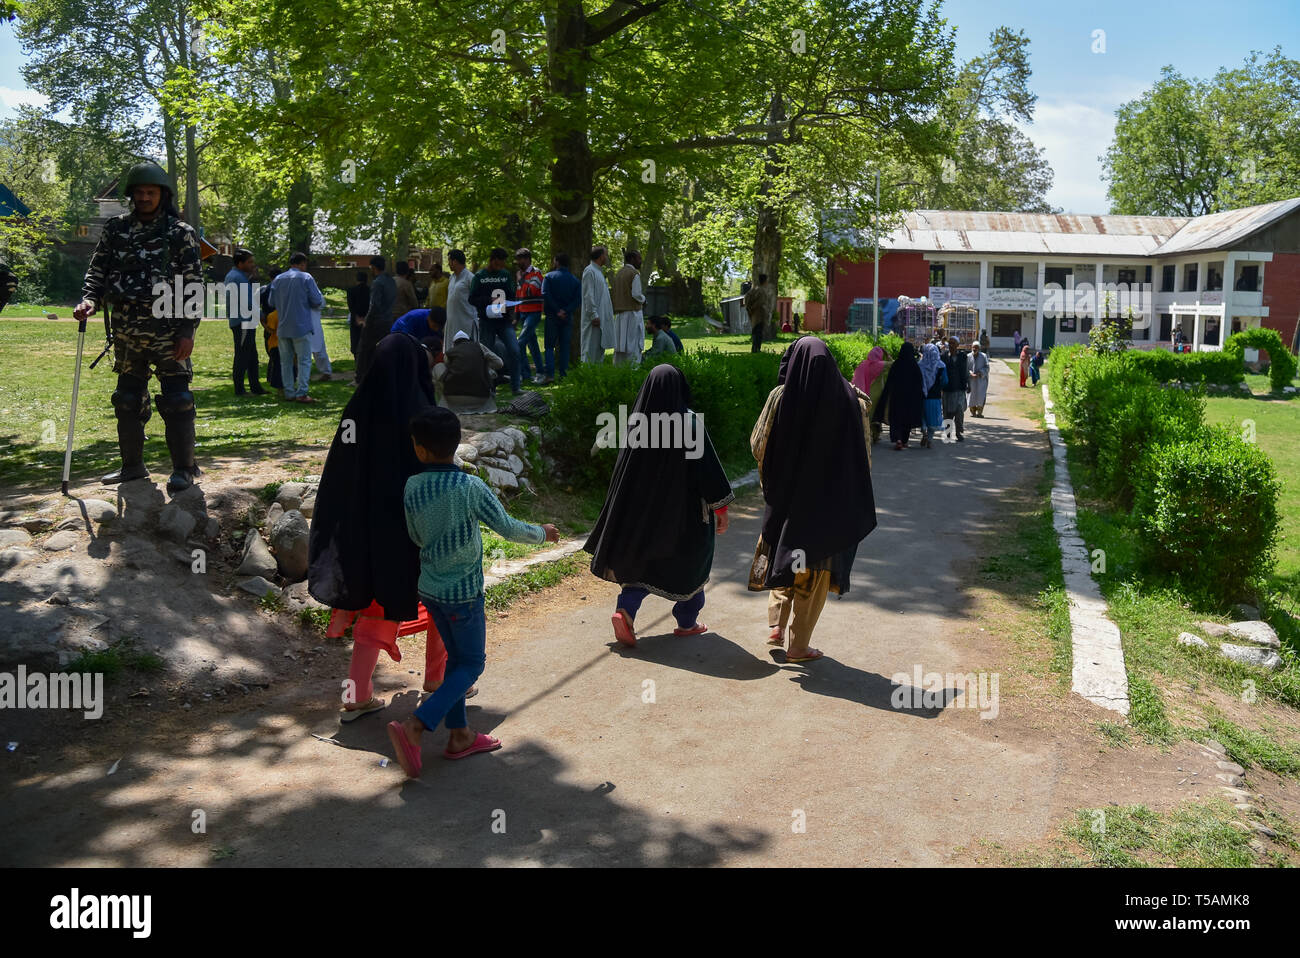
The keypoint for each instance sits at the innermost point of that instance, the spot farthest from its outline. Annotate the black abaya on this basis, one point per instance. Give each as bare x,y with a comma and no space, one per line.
359,548
656,528
816,479
902,396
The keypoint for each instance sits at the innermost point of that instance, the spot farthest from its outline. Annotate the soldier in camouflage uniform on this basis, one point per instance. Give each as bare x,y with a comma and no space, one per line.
147,246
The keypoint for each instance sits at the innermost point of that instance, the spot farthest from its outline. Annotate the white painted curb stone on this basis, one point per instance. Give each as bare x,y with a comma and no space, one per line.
1098,672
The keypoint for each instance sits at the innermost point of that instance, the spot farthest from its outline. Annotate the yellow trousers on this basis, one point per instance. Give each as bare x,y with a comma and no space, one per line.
799,607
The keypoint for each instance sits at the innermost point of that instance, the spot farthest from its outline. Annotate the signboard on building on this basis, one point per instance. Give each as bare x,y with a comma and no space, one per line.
1012,297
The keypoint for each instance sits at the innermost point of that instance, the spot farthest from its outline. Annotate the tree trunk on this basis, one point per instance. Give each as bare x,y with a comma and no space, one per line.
300,215
169,146
191,179
402,242
768,238
572,173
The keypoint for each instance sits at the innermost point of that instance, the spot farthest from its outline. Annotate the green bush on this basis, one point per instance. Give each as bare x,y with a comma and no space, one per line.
1219,368
1282,365
1132,420
1208,507
851,349
1117,411
727,389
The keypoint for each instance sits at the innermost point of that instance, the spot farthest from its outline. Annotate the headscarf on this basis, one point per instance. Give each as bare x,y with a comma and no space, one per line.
460,334
655,509
1024,353
869,369
359,550
815,475
902,395
930,363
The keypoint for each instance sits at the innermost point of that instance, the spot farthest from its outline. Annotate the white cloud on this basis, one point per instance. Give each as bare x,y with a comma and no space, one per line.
1074,133
11,99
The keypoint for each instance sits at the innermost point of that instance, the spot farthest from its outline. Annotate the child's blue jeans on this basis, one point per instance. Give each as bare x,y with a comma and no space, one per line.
464,633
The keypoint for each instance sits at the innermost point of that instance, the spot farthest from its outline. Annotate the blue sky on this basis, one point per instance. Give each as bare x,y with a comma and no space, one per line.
1078,90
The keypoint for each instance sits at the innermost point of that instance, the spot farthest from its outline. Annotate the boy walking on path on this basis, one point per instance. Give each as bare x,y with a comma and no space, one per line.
443,509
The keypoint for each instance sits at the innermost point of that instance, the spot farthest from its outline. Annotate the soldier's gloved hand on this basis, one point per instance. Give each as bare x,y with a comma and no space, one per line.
183,349
84,310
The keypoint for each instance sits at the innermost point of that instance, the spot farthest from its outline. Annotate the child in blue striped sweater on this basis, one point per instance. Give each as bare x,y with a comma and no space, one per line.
443,509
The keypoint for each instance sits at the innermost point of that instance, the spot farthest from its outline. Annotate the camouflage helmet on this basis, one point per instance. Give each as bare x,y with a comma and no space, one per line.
147,174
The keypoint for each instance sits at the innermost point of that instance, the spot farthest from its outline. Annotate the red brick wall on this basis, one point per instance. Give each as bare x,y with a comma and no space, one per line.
901,274
1281,294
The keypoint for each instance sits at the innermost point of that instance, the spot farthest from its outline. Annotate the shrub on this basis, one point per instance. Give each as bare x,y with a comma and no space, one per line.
1282,365
727,390
1117,411
1130,421
850,349
1208,506
1219,368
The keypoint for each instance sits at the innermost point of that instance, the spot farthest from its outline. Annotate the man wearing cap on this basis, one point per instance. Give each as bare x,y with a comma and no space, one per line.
528,290
146,247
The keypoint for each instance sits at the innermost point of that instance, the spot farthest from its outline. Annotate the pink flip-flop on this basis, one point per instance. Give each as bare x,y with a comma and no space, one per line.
407,754
696,629
482,743
811,655
623,628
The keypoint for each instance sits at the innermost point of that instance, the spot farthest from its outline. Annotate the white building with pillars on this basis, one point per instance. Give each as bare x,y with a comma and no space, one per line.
1040,274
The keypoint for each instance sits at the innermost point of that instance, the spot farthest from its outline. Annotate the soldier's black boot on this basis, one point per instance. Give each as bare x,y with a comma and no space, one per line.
177,410
130,442
133,411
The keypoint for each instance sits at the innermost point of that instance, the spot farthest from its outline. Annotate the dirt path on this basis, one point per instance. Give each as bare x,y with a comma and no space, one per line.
734,758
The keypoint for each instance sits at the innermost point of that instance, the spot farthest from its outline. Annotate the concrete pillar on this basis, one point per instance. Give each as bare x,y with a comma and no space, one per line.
1038,315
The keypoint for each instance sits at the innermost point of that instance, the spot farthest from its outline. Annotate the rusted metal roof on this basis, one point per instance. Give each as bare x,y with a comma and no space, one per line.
1065,234
1220,230
1054,234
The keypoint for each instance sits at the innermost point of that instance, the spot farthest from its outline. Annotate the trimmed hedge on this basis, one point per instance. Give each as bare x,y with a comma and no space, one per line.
1206,500
1219,368
727,389
1281,364
851,349
1117,410
1209,510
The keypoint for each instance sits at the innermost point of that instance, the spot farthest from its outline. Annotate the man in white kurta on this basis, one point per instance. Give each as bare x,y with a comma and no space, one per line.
597,309
462,317
979,380
628,299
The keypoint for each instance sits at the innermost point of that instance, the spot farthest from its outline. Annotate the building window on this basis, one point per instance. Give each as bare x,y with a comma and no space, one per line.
1060,275
1141,330
937,272
1008,277
1189,278
1005,324
1167,278
1127,277
1248,282
1214,278
1069,324
1147,278
1166,326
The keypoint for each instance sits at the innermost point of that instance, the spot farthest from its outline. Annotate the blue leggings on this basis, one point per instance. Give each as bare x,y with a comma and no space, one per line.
686,612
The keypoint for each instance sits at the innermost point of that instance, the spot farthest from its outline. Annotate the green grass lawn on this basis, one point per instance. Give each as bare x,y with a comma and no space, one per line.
1277,430
38,391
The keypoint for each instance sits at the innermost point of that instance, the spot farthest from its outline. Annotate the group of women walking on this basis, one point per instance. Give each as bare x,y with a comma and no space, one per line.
655,534
812,440
911,392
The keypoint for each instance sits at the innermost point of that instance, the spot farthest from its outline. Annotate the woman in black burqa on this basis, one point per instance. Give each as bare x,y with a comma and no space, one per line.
361,561
655,532
812,443
903,396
